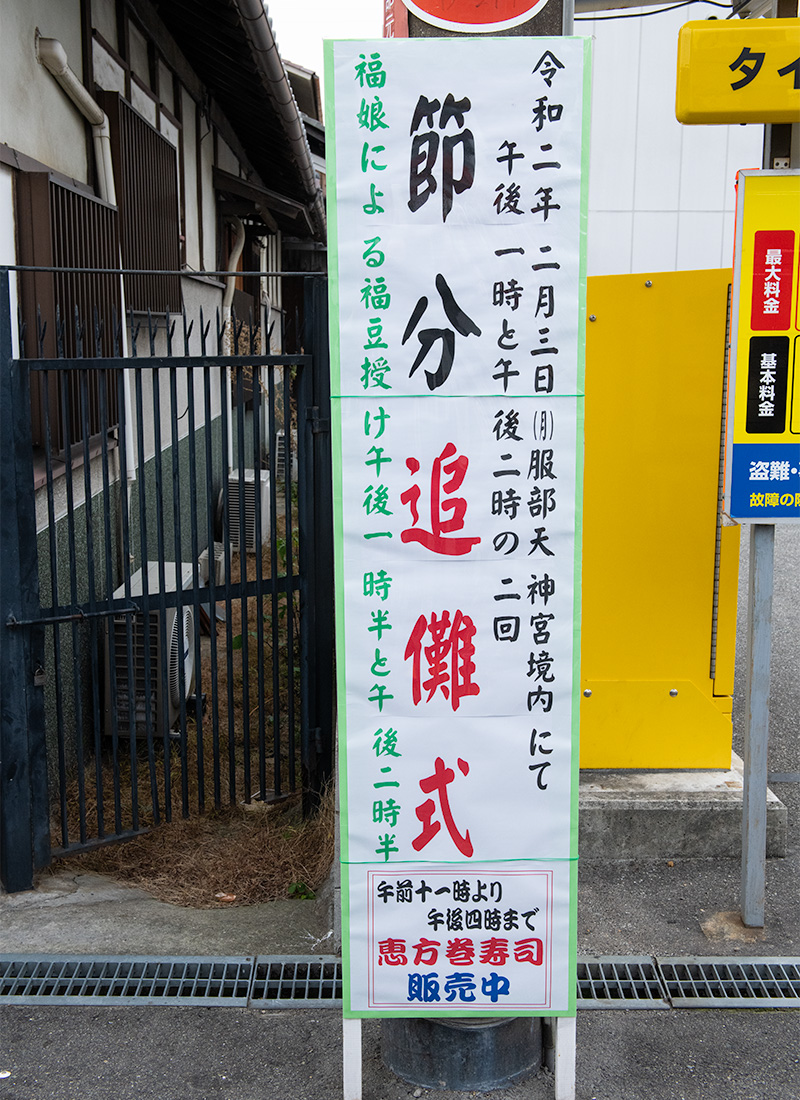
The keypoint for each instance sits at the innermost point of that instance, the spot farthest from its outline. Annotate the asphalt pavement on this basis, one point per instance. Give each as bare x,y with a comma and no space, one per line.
645,907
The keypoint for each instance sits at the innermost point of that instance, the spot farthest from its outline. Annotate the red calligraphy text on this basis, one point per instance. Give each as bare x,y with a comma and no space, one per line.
438,783
449,657
447,476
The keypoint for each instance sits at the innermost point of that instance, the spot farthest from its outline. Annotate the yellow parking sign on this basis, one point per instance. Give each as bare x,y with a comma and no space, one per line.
739,72
762,450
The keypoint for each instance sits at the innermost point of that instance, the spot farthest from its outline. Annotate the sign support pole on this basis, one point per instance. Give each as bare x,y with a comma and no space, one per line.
565,1057
754,804
759,641
351,1058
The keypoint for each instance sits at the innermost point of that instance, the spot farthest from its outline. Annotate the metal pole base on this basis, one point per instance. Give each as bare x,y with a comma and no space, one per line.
462,1055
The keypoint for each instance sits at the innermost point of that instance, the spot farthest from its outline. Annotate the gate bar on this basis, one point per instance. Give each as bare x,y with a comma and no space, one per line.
317,752
12,622
24,832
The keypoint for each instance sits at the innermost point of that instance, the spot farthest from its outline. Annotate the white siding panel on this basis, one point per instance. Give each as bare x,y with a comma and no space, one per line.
108,73
8,247
728,237
703,167
609,242
655,241
647,168
700,240
142,103
658,134
104,18
209,259
745,145
614,108
139,56
169,130
166,91
190,181
226,158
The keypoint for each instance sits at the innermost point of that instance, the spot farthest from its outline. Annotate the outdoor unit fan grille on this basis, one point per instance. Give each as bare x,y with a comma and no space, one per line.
245,495
134,706
164,657
181,657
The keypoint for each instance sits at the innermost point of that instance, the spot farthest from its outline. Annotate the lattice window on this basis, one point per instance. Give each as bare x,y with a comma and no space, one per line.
67,313
146,181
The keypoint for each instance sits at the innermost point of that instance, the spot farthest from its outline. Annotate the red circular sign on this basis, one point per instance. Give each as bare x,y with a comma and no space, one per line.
479,15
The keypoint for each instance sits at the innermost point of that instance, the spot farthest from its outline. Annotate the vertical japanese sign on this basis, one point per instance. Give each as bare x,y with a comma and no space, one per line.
762,465
457,194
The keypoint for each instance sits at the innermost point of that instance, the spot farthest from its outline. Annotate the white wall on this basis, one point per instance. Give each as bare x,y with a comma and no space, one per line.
8,248
661,195
37,118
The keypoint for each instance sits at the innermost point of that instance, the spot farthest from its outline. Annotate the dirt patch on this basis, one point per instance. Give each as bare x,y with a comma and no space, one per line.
235,856
729,926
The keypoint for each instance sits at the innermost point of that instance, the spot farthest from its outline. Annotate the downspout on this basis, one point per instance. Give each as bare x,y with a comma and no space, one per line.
51,54
227,302
258,28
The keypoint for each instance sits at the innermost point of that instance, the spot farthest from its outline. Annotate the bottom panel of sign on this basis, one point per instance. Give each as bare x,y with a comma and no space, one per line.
455,939
765,482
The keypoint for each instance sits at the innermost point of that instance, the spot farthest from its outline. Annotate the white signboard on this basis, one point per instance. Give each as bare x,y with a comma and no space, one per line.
457,199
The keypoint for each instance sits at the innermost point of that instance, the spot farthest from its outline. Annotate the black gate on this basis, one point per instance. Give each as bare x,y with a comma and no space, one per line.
166,623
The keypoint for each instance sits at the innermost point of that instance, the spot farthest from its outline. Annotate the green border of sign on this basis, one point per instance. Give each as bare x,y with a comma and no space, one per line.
336,437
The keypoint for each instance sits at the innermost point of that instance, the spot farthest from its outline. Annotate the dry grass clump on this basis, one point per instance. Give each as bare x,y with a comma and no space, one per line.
239,855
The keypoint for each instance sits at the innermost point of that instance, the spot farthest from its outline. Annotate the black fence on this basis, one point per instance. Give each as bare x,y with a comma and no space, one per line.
167,629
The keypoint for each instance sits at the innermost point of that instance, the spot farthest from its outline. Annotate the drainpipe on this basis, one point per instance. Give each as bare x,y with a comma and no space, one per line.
227,302
258,28
51,54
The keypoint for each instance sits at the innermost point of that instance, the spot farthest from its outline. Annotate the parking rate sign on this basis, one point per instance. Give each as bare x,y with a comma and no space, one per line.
457,194
762,465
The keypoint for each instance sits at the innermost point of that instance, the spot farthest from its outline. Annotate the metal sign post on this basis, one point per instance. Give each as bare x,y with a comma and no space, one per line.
754,808
426,18
762,463
748,72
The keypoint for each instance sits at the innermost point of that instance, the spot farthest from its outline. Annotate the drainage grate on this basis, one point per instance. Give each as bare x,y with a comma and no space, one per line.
115,979
280,981
620,982
296,978
291,981
732,983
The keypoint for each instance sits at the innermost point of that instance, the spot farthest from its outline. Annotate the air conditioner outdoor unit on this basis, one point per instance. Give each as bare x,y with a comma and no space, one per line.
248,490
218,557
171,651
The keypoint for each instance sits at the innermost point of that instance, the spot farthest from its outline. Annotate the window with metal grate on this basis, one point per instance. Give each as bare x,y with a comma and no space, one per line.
61,226
146,181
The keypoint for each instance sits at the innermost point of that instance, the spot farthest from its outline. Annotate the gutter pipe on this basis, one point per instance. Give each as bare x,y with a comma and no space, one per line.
51,54
227,302
258,28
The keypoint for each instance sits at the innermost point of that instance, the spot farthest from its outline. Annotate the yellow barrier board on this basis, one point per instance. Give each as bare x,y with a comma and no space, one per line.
657,651
747,71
